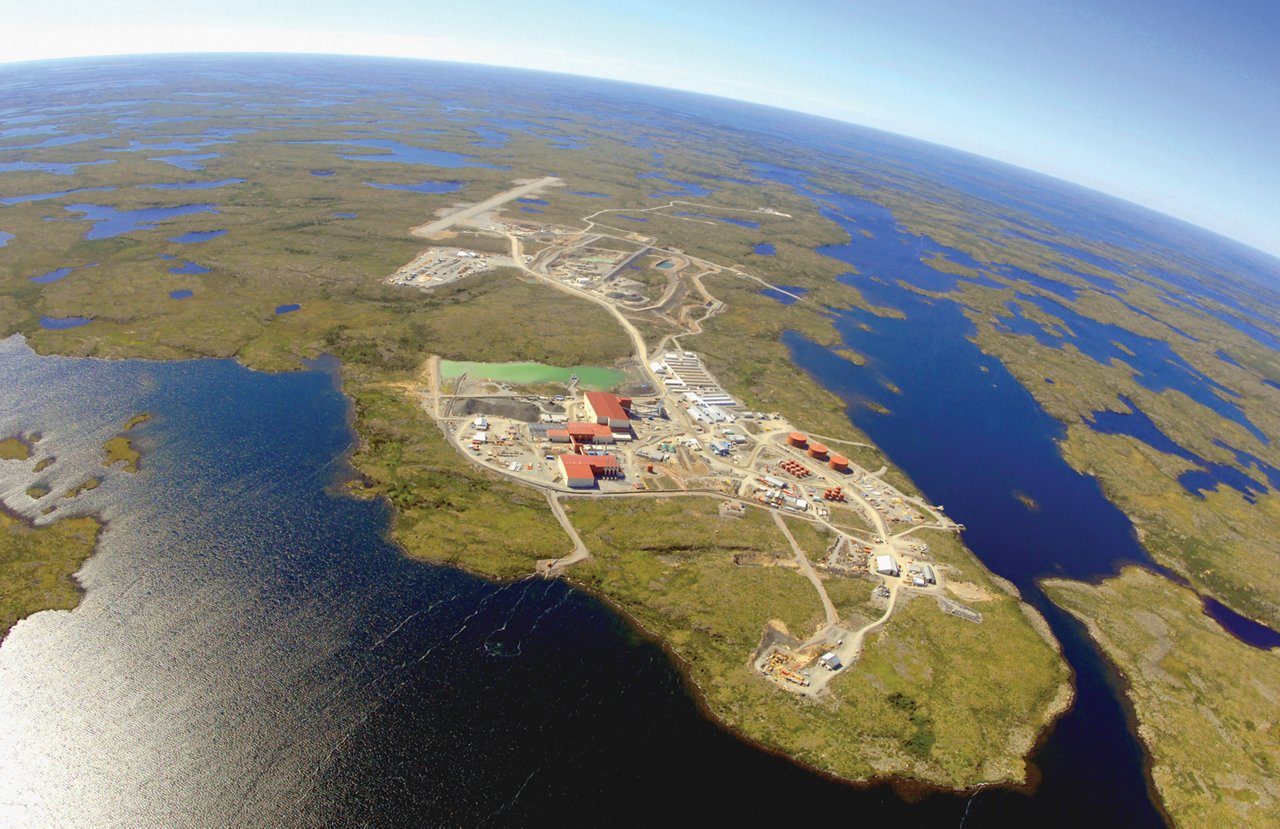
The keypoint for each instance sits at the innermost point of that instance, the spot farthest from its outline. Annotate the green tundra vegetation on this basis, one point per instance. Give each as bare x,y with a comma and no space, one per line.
14,449
909,701
37,565
1206,703
120,450
933,697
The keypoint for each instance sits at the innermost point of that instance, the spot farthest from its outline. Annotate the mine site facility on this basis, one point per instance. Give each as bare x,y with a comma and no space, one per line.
669,428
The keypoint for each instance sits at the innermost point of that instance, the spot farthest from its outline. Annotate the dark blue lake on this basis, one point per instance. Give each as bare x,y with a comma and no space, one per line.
163,146
190,163
109,222
764,249
195,237
1135,423
1158,366
63,323
189,268
971,437
1246,630
180,294
54,168
11,200
5,238
678,188
421,187
193,185
57,274
397,152
287,309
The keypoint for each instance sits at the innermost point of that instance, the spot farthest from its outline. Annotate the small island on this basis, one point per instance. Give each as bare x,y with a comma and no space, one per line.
14,449
86,485
120,449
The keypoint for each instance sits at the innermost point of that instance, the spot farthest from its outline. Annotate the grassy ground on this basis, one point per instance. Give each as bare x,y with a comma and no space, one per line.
1216,541
120,450
447,511
14,449
1213,734
933,698
36,565
912,706
1219,542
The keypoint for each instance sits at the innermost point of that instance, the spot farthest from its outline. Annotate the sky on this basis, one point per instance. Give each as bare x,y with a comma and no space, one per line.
1174,105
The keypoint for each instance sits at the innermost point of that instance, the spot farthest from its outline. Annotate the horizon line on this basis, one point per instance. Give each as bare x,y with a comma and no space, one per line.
1252,247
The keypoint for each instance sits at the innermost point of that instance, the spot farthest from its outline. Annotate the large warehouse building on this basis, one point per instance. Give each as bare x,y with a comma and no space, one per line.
609,410
581,471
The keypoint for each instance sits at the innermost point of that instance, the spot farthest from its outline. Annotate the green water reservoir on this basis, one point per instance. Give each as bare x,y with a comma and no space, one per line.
589,377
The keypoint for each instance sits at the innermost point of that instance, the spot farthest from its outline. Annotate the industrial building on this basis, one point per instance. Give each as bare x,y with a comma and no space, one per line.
887,566
581,471
585,433
609,410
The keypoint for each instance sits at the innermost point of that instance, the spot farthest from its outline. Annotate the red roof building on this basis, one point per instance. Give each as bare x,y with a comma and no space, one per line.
608,410
589,432
581,471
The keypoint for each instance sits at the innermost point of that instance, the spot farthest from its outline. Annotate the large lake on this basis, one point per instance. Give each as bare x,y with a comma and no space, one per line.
251,650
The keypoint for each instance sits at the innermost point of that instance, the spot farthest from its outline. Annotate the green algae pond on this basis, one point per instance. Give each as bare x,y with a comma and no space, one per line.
589,377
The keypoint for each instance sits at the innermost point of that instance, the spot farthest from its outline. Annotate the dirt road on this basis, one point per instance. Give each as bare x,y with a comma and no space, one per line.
552,566
805,567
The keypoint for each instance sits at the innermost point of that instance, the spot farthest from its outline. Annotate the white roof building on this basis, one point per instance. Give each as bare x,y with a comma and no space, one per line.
887,565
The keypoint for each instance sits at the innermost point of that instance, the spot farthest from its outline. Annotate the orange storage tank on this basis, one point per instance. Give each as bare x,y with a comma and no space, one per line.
798,439
839,463
817,450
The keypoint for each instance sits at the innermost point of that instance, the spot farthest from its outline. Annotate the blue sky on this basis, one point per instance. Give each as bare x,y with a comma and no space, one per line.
1174,105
